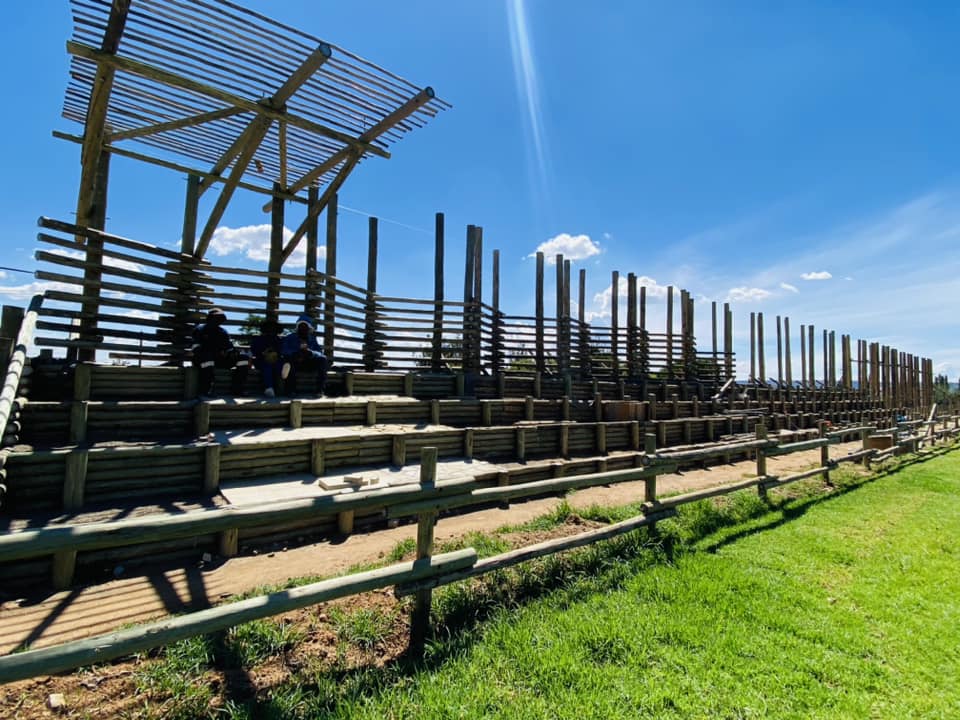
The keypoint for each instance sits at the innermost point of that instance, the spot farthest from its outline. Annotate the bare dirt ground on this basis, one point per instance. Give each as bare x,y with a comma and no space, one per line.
94,610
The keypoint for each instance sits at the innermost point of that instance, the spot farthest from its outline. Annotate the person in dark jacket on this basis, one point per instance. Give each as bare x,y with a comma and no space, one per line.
265,350
302,353
212,348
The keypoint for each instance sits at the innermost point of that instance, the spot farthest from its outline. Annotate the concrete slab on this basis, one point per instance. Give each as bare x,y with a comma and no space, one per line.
305,485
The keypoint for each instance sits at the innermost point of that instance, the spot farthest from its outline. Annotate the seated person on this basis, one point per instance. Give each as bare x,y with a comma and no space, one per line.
212,348
265,350
302,353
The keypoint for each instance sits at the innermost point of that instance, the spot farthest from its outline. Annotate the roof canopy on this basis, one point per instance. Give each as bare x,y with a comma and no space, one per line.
216,90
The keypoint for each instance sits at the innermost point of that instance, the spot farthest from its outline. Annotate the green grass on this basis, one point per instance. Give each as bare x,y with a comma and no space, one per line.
810,605
364,627
840,607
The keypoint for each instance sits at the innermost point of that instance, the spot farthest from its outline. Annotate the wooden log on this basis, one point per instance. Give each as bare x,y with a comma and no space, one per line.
296,414
531,552
78,421
75,479
479,496
399,454
211,469
426,522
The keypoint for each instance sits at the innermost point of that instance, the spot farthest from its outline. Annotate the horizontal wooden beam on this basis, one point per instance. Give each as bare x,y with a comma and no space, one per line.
123,152
198,119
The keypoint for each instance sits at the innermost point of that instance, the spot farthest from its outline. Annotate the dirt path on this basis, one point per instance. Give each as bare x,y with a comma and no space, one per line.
85,612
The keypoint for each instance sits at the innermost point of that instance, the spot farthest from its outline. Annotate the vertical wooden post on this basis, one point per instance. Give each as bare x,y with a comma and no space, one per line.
79,412
567,323
761,434
824,452
614,324
476,327
826,359
644,338
496,350
470,257
188,238
779,353
426,521
601,438
539,343
370,343
436,347
761,354
728,339
296,414
631,325
787,353
650,483
803,356
74,480
330,290
832,354
583,337
276,252
558,326
399,454
310,301
211,469
713,338
94,173
670,331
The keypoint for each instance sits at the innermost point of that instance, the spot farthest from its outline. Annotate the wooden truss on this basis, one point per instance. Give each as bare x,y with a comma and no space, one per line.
236,99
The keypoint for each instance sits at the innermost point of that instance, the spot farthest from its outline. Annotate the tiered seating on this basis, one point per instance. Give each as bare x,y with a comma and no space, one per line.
129,440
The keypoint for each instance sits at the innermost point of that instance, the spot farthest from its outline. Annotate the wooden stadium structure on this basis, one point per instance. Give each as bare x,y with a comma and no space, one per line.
435,404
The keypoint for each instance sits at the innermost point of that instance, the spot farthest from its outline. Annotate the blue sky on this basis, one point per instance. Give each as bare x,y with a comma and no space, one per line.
794,158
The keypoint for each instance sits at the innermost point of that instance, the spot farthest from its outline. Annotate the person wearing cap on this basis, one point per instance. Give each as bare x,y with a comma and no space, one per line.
212,348
302,353
265,349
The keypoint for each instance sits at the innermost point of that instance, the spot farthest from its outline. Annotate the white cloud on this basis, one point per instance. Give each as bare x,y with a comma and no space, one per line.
108,261
142,314
789,287
747,294
253,242
25,292
573,247
602,298
818,275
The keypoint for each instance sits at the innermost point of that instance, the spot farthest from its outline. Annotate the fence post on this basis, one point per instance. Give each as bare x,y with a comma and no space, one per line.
426,521
824,452
436,354
761,434
329,282
370,344
650,483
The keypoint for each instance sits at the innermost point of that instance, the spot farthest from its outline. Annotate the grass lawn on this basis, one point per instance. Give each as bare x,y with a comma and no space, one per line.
839,606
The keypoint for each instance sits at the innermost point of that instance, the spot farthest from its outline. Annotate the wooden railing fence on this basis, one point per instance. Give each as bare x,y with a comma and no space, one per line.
425,501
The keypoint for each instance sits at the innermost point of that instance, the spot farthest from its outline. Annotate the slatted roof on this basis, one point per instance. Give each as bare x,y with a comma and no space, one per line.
190,78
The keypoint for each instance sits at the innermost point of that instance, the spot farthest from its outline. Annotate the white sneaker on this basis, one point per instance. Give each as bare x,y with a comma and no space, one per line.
285,371
269,393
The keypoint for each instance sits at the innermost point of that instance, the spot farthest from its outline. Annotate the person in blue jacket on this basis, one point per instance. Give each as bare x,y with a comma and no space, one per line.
212,348
265,349
302,353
